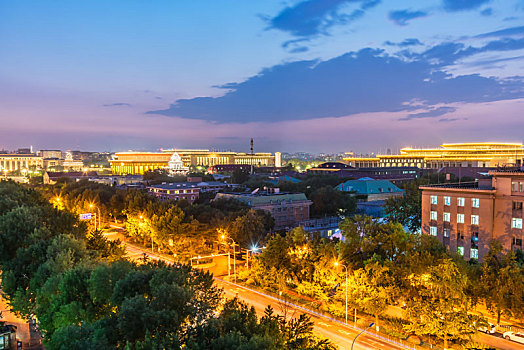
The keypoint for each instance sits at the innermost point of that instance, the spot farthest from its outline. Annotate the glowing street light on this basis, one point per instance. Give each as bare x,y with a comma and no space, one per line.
337,264
253,249
234,255
91,205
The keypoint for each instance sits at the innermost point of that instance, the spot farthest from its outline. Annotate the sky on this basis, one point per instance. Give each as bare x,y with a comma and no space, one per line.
303,75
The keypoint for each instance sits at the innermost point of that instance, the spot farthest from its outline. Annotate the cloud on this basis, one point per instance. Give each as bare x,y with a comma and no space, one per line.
313,17
487,12
503,32
401,17
369,80
463,5
432,113
404,43
447,120
118,104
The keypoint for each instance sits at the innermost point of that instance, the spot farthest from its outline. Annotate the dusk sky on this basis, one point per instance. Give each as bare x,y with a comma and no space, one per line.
314,75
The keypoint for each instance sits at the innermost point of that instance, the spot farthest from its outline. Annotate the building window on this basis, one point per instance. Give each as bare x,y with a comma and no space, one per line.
447,200
475,237
474,219
517,241
434,200
461,201
460,250
460,218
447,217
474,253
516,223
433,215
475,202
514,187
517,205
521,186
446,232
433,230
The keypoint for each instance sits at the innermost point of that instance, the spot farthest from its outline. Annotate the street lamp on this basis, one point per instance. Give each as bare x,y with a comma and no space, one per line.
253,249
99,216
370,325
234,256
336,264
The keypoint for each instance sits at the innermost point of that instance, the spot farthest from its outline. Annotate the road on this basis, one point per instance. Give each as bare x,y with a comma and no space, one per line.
340,334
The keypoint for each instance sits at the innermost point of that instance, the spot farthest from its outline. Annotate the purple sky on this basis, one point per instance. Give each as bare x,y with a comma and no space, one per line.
313,75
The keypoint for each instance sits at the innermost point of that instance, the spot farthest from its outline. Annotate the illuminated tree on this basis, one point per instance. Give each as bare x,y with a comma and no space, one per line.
439,307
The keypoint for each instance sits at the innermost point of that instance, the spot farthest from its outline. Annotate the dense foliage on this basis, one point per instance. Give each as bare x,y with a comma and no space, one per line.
86,296
388,267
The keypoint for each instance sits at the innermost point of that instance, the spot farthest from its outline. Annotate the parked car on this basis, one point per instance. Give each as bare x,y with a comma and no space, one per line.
489,329
517,337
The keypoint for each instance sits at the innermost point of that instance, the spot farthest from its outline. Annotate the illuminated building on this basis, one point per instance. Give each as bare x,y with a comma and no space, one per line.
480,154
467,216
139,162
19,162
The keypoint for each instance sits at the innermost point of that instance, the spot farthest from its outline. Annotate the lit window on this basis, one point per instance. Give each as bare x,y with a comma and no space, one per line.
434,200
517,205
516,223
447,217
433,230
514,186
460,250
475,237
447,200
474,219
475,202
521,186
460,201
460,218
433,215
446,232
474,253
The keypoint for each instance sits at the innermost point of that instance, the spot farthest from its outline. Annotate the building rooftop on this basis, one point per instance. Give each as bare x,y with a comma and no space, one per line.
475,185
183,185
263,197
366,187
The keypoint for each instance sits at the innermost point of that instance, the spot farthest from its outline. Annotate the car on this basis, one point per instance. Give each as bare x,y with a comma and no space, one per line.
489,329
516,337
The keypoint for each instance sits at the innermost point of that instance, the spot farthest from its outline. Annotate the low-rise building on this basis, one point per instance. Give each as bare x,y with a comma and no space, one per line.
288,209
175,191
327,226
50,178
371,190
466,217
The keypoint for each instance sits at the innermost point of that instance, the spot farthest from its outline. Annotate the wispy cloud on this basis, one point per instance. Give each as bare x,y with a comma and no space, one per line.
487,12
313,17
404,43
463,5
117,104
402,17
503,32
432,113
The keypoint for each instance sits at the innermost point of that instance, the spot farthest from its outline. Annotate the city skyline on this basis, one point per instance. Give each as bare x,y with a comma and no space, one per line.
314,76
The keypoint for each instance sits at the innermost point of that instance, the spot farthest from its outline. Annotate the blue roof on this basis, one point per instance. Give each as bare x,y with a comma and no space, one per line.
366,187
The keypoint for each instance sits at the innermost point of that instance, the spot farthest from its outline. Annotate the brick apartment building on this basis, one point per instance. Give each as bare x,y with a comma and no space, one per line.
466,217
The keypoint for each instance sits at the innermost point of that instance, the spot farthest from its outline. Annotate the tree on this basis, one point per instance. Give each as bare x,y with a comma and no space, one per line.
372,289
407,209
248,230
502,282
329,201
439,307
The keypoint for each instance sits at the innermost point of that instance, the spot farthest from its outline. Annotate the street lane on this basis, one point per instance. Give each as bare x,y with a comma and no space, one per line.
340,334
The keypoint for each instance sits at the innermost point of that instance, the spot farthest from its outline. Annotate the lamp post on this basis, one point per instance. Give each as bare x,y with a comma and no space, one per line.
234,256
370,325
99,215
253,249
345,267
